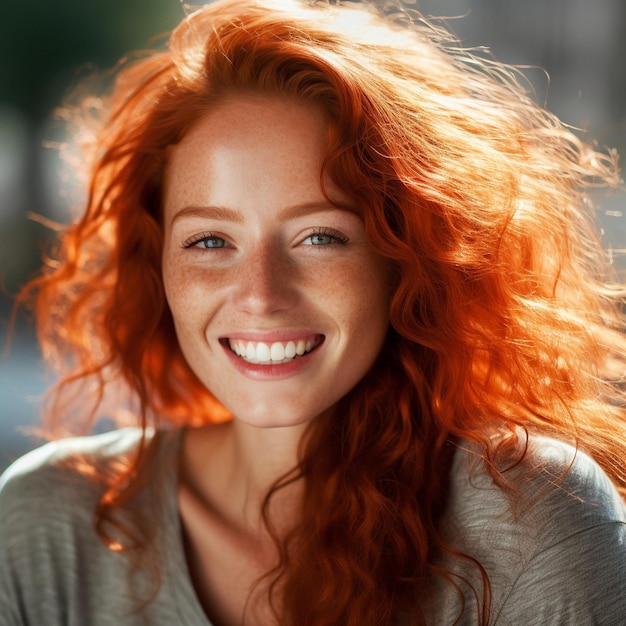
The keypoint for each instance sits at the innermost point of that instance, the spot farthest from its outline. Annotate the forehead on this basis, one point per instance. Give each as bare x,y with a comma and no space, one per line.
239,122
246,144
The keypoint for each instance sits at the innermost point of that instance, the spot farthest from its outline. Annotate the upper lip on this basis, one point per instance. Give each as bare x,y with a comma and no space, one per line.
271,336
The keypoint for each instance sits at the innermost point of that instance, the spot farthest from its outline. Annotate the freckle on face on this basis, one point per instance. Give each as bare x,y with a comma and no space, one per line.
247,176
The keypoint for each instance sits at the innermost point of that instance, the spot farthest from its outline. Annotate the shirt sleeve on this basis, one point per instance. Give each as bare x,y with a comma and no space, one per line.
43,509
580,580
9,601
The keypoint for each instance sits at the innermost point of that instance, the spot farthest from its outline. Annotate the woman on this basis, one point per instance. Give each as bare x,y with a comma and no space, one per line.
340,282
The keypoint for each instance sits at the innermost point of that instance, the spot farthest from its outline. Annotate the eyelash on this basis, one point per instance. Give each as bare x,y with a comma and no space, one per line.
196,239
336,237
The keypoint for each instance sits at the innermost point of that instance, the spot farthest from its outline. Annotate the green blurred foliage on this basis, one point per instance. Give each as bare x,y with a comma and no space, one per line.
46,48
44,42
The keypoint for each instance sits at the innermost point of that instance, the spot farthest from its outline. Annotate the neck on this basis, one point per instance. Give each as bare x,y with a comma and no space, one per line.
259,457
232,467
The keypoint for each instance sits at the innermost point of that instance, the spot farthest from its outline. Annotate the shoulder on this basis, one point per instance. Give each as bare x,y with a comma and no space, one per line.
53,565
562,517
556,493
574,476
577,571
553,481
51,475
59,485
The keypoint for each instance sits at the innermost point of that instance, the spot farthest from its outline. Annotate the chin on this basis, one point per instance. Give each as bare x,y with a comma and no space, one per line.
270,419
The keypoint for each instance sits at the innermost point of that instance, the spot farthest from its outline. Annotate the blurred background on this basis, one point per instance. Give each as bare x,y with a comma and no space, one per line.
47,46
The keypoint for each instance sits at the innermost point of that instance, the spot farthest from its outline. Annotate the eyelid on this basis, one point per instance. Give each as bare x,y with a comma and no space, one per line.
194,240
339,237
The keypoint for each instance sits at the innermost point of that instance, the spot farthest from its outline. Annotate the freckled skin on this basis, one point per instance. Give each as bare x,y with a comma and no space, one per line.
259,158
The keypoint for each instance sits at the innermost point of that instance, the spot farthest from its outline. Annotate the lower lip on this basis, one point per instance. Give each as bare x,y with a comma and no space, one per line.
277,371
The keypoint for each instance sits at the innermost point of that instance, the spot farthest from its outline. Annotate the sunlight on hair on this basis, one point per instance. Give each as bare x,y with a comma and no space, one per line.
499,323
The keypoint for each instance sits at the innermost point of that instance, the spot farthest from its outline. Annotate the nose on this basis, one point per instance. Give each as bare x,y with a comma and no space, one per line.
266,282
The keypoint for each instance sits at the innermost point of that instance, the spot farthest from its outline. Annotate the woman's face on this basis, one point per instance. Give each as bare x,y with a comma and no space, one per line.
280,305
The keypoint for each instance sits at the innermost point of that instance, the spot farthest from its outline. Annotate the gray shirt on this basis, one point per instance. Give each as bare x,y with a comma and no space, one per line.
558,559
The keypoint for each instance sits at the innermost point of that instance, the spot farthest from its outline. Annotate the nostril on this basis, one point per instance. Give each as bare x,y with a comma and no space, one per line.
263,292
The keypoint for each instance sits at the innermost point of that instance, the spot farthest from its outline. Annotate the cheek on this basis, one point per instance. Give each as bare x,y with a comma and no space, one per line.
376,297
360,294
184,299
183,295
174,291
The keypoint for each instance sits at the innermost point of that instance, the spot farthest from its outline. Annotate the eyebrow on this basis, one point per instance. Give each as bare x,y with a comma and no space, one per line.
214,212
231,215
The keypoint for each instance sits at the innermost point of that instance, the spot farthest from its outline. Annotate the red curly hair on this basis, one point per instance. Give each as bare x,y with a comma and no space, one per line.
503,318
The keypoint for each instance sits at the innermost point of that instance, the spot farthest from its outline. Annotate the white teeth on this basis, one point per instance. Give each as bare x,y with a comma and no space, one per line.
263,352
276,352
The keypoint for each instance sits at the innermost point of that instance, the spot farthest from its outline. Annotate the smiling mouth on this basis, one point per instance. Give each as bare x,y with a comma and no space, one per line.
275,352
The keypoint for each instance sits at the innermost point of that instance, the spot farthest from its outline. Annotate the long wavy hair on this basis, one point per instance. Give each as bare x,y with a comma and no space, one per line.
504,316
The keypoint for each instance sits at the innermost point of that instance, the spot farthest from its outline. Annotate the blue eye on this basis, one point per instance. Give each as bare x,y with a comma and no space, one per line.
211,242
324,238
206,241
319,240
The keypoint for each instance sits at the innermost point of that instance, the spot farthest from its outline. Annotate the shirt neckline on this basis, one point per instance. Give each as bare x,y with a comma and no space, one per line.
174,563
